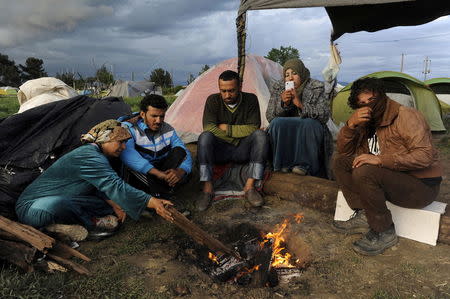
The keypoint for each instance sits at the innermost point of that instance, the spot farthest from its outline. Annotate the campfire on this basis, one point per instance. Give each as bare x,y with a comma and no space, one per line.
264,260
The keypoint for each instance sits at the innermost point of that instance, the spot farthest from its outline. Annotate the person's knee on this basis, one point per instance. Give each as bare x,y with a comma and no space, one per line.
341,162
313,126
260,136
206,138
363,174
276,122
179,151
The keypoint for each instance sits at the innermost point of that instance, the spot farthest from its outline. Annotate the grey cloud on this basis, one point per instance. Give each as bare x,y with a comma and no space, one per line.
23,21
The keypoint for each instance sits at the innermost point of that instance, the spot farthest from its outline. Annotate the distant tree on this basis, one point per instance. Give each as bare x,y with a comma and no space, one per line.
104,76
283,54
161,78
33,69
66,77
204,69
9,72
190,79
70,79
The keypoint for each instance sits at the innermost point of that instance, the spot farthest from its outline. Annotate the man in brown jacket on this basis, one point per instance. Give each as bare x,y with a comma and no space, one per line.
400,165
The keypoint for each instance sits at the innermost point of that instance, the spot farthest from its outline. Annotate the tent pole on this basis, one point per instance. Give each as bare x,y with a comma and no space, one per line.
241,36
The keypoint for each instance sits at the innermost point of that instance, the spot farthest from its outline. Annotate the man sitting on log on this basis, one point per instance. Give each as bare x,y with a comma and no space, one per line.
82,188
155,156
231,122
385,153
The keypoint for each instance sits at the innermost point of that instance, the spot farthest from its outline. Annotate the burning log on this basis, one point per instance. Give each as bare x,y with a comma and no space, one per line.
200,235
20,243
265,261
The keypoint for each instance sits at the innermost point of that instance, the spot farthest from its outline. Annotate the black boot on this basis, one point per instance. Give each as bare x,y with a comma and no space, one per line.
355,225
374,243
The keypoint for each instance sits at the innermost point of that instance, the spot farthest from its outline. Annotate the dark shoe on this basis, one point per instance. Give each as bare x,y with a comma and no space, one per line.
74,232
254,198
374,243
355,225
299,171
98,234
104,227
204,201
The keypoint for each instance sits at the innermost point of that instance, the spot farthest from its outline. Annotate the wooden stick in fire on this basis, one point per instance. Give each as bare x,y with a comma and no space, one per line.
199,235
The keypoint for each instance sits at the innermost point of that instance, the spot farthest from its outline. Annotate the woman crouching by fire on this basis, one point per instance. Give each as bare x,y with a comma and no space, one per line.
80,192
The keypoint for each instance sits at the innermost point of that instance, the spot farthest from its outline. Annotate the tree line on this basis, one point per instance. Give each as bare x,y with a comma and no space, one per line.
14,75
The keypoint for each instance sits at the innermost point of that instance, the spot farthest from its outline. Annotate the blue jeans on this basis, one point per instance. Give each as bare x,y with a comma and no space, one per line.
64,210
253,148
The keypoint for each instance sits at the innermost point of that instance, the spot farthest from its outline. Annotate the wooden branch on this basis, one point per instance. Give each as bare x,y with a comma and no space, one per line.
18,254
200,235
27,233
69,264
65,251
10,237
49,266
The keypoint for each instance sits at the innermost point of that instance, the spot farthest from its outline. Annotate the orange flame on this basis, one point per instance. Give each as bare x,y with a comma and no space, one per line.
212,257
281,258
245,271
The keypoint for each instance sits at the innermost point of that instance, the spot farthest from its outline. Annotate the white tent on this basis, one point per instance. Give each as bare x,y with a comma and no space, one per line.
186,113
134,88
41,91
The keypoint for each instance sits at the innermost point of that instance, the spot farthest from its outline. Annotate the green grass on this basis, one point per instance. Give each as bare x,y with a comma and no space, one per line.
112,276
8,105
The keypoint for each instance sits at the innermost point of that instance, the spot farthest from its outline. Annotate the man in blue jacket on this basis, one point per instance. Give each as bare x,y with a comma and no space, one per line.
155,155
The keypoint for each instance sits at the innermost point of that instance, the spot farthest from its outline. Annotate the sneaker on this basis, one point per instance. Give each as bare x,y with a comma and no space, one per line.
109,222
374,243
74,232
104,227
204,201
254,198
357,224
298,170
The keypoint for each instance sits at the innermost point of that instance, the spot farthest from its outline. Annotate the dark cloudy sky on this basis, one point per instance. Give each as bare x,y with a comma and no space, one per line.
183,35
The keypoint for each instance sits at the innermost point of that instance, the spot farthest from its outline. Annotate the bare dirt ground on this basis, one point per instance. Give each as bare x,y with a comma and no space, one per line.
147,259
408,270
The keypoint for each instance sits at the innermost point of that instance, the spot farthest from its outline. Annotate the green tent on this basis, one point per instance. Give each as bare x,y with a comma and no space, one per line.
402,88
441,87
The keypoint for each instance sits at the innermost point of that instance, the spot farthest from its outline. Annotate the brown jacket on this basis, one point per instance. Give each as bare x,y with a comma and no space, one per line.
404,139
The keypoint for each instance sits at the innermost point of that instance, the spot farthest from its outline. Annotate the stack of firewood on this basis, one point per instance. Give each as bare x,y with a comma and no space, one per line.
30,249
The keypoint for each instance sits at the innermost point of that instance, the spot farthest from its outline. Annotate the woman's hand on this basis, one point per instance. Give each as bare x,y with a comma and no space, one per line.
287,96
297,102
160,207
120,213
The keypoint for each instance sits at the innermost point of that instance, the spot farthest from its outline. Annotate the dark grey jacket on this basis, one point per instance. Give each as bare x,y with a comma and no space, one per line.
316,100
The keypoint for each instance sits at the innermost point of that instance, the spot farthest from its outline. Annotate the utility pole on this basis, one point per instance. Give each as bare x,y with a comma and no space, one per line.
401,64
426,68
